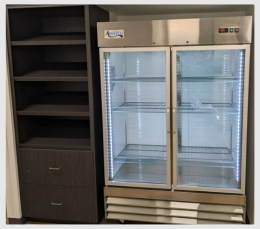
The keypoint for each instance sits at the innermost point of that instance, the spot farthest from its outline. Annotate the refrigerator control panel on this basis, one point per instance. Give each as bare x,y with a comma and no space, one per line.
229,30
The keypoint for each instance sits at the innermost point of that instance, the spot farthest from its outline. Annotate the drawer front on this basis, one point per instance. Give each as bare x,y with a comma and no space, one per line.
58,202
56,167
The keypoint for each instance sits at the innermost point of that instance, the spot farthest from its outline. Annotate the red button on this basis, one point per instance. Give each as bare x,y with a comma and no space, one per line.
236,30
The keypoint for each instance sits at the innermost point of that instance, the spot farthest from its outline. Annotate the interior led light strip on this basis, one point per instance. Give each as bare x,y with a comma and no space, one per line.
240,110
109,124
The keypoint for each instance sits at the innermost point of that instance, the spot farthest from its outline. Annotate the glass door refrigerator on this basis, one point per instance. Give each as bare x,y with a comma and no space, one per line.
174,107
136,113
210,98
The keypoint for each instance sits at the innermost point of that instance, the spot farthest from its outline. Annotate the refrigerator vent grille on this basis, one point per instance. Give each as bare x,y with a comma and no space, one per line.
165,211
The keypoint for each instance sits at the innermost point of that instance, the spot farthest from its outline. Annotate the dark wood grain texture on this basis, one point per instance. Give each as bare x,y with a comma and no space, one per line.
76,202
56,143
76,167
22,220
51,46
52,40
94,14
54,132
55,110
54,75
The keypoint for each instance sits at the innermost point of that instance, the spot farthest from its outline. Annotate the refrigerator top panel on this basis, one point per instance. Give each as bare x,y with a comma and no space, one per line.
195,31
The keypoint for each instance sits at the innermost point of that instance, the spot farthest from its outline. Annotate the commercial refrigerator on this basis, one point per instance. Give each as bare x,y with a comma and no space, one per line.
174,102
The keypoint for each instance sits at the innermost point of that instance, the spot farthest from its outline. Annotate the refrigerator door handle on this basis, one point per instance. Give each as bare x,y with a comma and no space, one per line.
174,120
168,120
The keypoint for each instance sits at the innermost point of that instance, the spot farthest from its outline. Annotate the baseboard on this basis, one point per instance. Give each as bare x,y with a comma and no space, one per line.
22,220
247,220
57,221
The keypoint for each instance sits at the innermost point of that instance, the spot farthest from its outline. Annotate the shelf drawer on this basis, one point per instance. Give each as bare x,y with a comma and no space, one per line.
56,167
58,202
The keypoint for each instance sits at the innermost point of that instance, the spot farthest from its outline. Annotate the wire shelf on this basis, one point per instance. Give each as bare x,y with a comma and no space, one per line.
206,164
215,154
132,173
145,107
137,79
208,79
208,181
142,154
227,108
205,157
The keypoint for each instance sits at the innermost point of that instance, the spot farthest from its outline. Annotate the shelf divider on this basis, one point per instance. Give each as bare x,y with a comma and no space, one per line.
55,110
54,75
70,39
57,143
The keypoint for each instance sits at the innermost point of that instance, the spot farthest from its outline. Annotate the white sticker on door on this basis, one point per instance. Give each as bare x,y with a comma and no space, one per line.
111,34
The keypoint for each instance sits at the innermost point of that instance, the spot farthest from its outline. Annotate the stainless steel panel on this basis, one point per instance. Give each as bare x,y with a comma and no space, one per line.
196,197
166,204
174,213
195,31
163,219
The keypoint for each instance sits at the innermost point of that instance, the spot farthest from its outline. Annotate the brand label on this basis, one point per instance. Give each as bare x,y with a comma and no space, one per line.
111,34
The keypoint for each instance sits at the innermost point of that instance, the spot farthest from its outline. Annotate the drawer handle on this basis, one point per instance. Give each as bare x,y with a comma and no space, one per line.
57,204
54,168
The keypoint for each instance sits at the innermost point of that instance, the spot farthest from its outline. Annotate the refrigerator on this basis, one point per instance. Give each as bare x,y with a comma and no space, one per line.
174,103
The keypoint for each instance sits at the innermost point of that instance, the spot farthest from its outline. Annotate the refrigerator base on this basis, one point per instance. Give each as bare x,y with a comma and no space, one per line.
157,206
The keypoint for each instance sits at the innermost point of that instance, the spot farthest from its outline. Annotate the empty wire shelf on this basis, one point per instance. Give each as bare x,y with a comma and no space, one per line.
144,107
136,173
207,177
142,154
138,79
207,79
227,108
208,181
205,157
206,164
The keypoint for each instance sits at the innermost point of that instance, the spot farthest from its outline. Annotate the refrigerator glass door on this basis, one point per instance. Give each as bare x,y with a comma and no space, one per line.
136,116
210,96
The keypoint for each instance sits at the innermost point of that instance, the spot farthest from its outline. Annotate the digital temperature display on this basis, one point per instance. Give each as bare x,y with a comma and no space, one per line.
223,30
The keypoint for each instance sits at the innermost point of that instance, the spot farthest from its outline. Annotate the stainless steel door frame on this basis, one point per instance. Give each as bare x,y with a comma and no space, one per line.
168,105
174,50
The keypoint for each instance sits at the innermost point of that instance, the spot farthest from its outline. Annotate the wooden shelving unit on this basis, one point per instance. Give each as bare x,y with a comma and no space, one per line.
55,84
54,75
52,40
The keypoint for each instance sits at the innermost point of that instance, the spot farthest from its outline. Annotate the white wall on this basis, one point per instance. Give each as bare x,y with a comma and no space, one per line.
113,17
13,204
250,163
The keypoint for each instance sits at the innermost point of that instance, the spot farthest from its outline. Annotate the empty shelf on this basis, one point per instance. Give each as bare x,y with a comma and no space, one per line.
206,79
206,164
138,79
141,107
54,75
207,181
55,110
207,177
216,108
57,143
205,157
68,39
135,173
142,154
